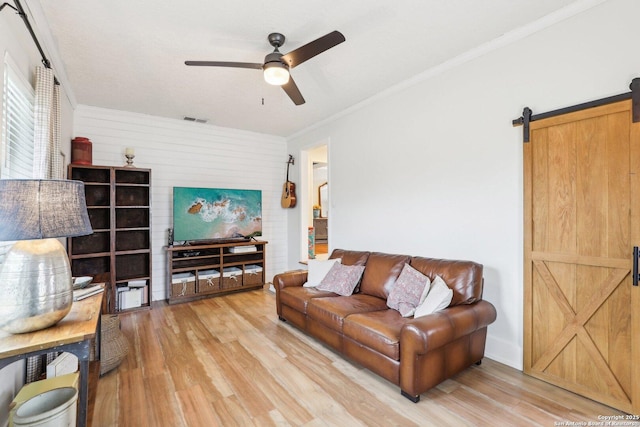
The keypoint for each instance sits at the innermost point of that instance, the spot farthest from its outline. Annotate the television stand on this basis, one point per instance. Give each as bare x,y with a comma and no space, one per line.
204,270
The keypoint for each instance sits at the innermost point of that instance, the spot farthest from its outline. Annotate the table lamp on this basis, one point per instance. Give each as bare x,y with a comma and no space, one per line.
36,289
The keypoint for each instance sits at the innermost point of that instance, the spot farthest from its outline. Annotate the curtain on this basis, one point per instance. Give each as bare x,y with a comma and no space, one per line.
47,161
46,164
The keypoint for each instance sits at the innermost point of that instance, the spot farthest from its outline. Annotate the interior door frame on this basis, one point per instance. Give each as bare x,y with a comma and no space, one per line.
306,192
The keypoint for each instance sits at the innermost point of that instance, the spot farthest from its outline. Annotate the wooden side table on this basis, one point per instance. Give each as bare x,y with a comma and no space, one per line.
73,334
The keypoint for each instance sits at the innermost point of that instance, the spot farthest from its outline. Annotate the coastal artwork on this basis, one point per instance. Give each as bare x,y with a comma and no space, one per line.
215,213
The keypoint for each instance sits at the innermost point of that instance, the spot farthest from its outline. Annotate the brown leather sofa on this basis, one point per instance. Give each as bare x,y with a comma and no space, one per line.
413,353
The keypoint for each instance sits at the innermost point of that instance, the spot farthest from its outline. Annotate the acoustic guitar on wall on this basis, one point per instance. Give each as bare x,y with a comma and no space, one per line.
288,199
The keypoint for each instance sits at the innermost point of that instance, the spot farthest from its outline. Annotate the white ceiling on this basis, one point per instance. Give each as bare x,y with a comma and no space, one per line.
129,55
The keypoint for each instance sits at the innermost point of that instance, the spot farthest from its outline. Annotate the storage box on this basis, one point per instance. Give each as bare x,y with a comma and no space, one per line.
131,298
119,291
252,275
65,363
231,278
137,283
243,249
209,281
183,284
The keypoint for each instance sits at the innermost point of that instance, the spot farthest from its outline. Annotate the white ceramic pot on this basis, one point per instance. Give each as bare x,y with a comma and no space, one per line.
53,408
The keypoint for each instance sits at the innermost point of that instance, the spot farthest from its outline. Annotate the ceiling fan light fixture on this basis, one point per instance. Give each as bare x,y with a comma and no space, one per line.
275,67
276,73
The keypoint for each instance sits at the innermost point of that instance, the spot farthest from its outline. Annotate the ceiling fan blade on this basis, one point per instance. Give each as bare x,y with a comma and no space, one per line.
225,64
294,93
311,49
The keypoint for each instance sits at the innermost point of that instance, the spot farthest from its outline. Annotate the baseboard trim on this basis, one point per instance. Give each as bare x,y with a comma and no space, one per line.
504,352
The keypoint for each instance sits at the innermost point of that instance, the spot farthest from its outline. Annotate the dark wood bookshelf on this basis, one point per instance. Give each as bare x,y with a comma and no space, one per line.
119,250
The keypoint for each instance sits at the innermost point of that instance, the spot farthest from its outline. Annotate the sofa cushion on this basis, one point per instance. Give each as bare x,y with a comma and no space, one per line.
406,294
331,311
381,273
378,330
297,297
463,277
350,257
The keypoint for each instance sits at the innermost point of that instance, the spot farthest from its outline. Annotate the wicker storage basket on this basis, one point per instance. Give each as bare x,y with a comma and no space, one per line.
114,346
183,284
209,281
252,275
231,278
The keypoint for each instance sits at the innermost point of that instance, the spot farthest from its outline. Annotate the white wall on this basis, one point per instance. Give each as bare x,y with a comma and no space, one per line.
188,154
436,169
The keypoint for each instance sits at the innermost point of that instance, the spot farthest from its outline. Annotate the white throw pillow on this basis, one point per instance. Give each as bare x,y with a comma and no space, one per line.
438,298
317,270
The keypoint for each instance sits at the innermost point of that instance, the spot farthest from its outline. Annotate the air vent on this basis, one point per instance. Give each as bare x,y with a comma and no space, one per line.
193,119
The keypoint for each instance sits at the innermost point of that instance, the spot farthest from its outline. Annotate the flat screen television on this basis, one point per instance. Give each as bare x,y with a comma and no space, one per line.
216,214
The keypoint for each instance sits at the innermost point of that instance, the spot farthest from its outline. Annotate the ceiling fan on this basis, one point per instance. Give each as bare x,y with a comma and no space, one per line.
276,65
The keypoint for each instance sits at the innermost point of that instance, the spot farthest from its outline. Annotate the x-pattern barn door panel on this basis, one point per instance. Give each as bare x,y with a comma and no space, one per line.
581,223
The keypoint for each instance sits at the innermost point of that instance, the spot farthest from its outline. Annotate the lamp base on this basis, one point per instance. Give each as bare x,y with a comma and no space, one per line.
36,286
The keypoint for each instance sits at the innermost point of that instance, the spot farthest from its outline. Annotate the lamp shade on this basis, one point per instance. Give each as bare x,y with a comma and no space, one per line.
35,277
276,73
40,209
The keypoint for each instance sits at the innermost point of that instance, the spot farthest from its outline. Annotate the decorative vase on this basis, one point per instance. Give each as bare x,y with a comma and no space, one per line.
312,243
81,151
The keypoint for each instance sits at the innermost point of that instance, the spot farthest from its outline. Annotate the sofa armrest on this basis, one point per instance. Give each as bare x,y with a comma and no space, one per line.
439,345
430,332
290,278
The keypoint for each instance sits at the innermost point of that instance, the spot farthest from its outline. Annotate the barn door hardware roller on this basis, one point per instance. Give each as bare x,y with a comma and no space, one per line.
528,116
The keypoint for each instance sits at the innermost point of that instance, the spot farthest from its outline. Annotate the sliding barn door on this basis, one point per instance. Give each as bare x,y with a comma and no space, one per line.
582,220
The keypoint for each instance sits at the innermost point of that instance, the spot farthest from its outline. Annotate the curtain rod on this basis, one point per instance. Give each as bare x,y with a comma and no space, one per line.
20,11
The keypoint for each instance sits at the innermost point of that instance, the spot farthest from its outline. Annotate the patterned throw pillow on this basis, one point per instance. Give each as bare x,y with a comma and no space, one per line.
341,279
406,293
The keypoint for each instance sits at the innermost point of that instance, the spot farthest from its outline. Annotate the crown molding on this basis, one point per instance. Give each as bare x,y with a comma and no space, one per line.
506,39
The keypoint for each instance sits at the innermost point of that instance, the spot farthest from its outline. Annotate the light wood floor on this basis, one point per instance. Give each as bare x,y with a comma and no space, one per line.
322,248
229,361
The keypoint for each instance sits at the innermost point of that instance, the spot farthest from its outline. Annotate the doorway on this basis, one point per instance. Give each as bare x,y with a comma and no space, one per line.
320,207
315,206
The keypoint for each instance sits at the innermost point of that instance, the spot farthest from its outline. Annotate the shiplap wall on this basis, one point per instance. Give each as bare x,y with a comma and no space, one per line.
188,154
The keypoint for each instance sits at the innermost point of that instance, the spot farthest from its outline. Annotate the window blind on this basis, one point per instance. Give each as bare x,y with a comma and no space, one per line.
17,143
17,130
